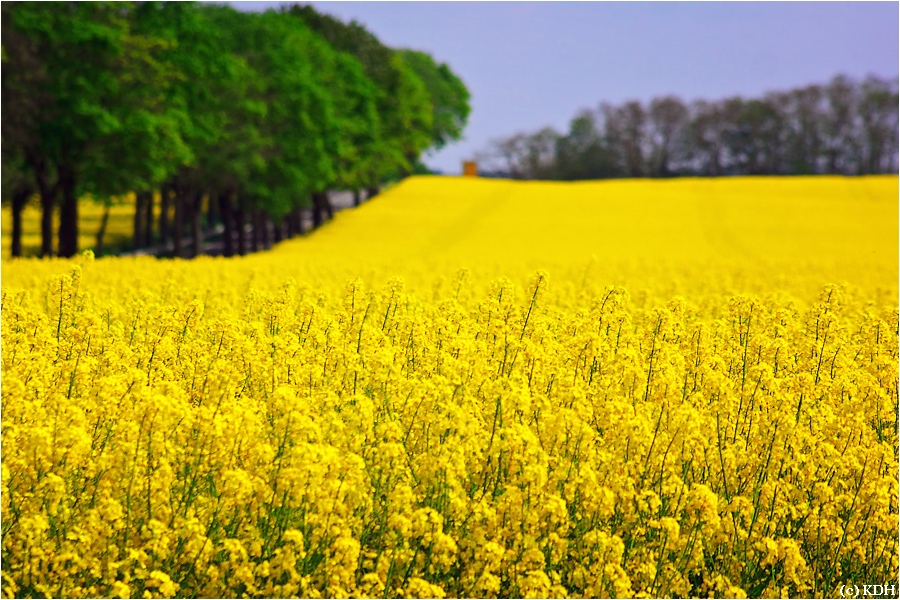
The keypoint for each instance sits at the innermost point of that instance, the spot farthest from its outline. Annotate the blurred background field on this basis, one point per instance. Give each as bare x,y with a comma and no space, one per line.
740,219
728,235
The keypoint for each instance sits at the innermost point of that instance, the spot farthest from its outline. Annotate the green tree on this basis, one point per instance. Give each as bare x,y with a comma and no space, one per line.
220,100
296,132
410,125
353,99
103,128
354,39
877,109
447,93
22,106
706,146
403,105
581,154
18,187
804,121
302,122
668,118
754,138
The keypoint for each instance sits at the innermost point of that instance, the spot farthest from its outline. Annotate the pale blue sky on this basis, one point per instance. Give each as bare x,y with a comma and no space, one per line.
531,64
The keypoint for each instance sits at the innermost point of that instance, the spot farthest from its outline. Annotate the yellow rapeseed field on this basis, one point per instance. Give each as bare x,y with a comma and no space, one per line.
470,388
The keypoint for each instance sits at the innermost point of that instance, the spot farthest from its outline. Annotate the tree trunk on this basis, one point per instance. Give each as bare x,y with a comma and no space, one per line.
178,225
228,222
833,162
68,216
317,210
290,221
254,230
241,234
326,204
371,192
278,230
165,203
212,213
299,220
664,161
138,236
143,219
101,232
19,200
148,219
266,231
356,197
197,220
322,208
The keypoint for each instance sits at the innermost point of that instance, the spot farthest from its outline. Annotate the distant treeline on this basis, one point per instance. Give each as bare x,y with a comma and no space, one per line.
224,117
845,127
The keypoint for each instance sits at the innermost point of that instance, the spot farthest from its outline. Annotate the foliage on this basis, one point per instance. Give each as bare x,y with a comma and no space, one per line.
844,127
96,120
404,110
449,97
256,111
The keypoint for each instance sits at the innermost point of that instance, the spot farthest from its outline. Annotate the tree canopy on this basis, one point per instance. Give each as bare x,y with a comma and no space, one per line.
843,127
211,112
449,97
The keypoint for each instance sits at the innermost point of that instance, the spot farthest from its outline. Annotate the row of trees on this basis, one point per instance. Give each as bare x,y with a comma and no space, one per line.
844,127
222,116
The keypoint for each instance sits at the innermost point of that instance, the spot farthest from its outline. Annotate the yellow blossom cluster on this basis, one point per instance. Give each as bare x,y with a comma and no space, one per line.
470,388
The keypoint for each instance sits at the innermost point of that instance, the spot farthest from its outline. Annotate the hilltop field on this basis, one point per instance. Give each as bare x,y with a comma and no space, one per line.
470,388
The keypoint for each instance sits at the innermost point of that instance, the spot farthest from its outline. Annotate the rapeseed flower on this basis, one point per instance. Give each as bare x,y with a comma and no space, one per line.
641,397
